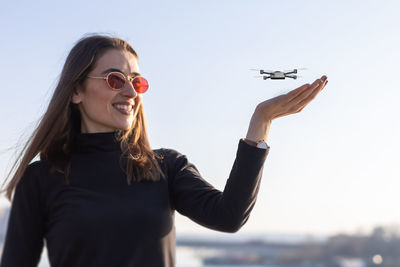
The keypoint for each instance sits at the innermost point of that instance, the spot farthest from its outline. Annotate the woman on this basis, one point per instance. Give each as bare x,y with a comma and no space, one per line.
100,196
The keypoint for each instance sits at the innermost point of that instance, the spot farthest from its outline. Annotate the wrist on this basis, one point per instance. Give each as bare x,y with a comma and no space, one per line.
258,130
249,142
260,144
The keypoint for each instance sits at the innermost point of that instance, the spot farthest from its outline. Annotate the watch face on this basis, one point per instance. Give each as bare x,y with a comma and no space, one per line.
262,145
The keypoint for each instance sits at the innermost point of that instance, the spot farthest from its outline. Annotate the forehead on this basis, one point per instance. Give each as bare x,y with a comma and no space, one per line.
117,59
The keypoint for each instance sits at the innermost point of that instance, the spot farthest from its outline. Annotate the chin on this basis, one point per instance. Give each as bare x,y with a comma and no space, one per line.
123,127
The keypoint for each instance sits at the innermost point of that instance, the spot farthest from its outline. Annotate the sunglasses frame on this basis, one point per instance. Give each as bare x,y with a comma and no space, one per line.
130,79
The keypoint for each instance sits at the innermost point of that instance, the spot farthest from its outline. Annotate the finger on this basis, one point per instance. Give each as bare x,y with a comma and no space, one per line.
305,87
312,95
297,104
292,94
298,98
292,104
317,83
314,86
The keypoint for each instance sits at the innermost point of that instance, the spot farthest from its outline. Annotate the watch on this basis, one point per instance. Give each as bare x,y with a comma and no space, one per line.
260,144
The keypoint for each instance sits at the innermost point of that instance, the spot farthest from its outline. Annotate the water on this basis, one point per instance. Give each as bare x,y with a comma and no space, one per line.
185,258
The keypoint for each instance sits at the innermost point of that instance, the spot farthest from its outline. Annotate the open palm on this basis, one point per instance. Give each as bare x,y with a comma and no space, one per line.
286,104
292,102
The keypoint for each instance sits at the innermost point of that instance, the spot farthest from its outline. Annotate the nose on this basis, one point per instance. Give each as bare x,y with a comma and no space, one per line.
128,90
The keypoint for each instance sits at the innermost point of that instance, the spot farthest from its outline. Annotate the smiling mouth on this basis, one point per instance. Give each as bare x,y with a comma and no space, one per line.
124,109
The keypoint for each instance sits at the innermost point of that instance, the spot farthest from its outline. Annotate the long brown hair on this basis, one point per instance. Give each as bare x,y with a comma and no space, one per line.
53,137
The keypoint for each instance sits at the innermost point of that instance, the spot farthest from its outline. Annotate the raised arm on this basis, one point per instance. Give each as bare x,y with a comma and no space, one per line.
229,210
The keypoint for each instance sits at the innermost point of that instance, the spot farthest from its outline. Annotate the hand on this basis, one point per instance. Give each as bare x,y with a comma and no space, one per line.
292,102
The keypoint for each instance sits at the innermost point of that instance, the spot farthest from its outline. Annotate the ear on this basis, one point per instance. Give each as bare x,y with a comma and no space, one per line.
77,96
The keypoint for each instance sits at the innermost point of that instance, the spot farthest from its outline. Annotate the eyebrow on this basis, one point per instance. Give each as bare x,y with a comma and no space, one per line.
118,70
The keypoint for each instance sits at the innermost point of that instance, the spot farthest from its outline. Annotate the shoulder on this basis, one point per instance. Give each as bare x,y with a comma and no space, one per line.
35,174
170,155
167,153
38,182
28,186
171,160
38,168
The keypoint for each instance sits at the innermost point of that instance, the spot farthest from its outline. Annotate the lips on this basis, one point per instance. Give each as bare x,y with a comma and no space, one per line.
124,107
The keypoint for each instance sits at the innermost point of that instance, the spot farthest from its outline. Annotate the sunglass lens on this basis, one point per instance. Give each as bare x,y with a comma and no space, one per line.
140,84
116,81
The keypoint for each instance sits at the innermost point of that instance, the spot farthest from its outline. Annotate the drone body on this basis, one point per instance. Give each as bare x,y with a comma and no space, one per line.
279,75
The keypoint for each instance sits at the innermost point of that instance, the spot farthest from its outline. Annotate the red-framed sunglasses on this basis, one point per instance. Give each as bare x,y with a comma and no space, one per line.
116,81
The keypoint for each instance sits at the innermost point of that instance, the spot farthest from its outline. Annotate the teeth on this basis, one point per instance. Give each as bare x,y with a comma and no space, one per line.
124,107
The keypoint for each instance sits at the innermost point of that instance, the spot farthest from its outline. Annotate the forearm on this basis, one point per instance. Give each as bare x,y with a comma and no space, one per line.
224,211
241,189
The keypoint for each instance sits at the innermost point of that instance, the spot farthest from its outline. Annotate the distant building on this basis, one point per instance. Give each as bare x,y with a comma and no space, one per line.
350,262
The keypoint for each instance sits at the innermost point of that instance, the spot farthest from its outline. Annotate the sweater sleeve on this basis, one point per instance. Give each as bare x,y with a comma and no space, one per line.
24,239
225,211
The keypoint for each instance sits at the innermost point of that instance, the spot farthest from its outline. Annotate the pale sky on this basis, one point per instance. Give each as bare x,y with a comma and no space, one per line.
333,167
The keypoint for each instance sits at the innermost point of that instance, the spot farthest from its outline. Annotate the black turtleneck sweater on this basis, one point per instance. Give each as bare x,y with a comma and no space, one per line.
99,220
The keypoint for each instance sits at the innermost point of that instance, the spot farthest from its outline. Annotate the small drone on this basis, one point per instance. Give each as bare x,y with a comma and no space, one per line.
277,75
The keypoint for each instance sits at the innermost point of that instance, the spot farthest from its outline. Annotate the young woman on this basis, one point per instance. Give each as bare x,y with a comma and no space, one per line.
99,195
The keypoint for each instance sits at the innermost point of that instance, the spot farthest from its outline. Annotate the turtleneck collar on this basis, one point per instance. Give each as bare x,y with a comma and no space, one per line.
96,142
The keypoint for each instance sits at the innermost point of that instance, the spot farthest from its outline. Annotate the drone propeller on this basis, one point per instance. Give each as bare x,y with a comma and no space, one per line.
301,68
295,69
261,71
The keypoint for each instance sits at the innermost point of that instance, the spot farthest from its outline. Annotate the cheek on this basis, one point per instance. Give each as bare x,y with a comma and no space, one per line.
97,104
